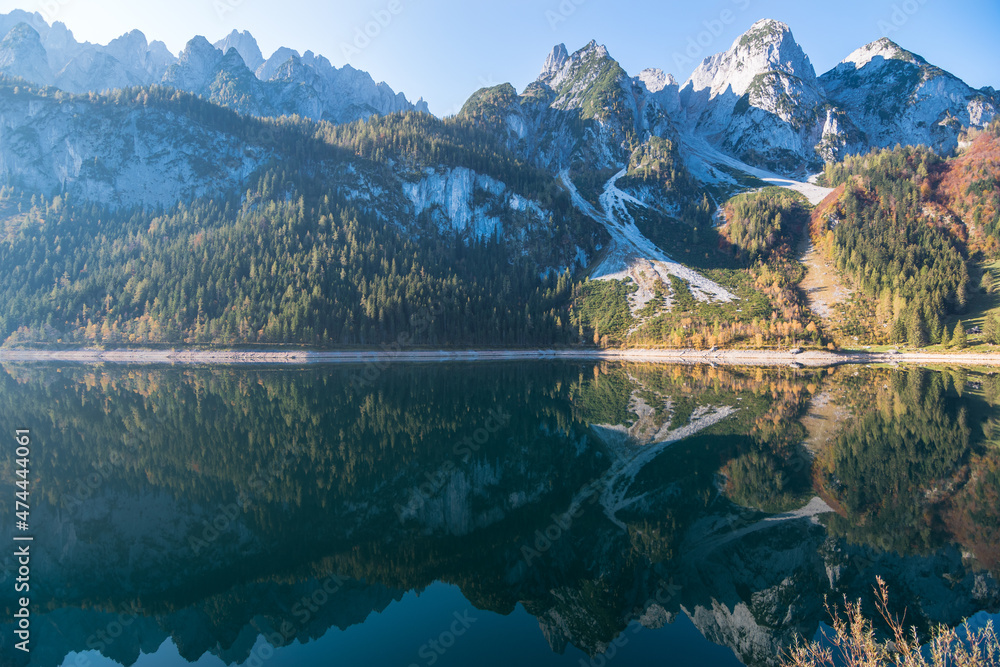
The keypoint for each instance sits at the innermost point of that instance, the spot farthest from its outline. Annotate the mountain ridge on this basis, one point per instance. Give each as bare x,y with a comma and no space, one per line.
50,55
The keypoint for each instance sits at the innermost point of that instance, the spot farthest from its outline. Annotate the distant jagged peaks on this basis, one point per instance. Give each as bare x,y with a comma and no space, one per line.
245,45
768,46
554,62
306,85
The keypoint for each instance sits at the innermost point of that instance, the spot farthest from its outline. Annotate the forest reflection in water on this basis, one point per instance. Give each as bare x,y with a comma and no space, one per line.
235,510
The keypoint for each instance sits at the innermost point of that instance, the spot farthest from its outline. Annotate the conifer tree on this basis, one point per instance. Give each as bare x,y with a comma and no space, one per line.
959,339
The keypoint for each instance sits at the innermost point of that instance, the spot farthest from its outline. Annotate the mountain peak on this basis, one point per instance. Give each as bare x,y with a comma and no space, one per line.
197,46
245,45
883,48
559,63
22,54
768,46
554,62
22,32
764,31
656,79
592,48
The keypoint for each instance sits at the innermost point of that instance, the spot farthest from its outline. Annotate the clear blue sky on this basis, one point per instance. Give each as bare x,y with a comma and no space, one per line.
444,50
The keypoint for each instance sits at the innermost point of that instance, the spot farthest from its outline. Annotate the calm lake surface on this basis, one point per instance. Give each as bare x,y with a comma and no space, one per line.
557,513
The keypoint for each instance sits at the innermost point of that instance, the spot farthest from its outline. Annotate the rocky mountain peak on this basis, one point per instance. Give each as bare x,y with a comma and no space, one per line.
195,67
559,66
22,34
132,44
245,45
196,50
268,68
883,48
554,62
22,54
655,79
768,46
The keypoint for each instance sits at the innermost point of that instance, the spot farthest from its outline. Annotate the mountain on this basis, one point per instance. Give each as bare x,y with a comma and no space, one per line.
283,84
759,100
245,45
894,96
589,172
582,112
762,102
119,154
22,55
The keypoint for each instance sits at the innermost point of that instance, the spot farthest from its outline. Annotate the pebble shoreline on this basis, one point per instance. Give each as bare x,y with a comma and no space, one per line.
809,358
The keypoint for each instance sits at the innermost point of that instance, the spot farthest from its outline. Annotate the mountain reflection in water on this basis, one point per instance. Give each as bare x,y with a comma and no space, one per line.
546,513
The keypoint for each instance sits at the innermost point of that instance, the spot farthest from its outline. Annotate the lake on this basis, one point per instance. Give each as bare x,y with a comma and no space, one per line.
544,513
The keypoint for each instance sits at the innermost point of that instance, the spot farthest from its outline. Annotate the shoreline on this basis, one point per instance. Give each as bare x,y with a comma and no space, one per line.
808,358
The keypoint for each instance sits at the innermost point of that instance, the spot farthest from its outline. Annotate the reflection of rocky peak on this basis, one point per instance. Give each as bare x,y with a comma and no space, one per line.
227,625
747,579
651,424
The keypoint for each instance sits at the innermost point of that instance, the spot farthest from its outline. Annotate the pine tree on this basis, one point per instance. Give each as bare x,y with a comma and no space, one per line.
959,339
898,333
991,330
916,332
945,340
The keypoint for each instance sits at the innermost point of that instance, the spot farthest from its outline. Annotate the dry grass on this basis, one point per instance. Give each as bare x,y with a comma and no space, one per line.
855,643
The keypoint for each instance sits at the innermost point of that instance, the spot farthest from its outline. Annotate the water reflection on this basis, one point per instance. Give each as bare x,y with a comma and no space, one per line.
219,506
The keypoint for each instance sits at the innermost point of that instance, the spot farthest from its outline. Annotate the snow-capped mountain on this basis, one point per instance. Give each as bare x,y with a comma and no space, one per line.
283,84
762,102
759,101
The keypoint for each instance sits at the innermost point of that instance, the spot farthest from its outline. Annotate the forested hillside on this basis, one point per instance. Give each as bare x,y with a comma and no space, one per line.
320,245
909,230
285,265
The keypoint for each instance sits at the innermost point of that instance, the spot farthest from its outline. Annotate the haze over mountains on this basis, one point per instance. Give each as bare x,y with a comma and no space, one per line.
286,83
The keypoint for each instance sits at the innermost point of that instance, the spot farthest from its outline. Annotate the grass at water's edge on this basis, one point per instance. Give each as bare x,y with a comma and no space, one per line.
856,642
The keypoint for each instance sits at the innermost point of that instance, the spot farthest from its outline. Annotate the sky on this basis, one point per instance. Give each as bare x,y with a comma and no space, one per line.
444,50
